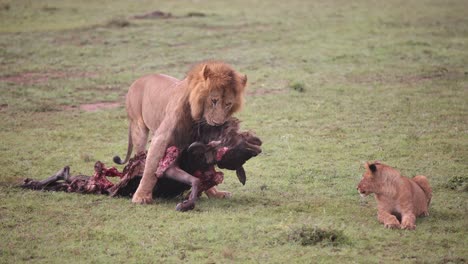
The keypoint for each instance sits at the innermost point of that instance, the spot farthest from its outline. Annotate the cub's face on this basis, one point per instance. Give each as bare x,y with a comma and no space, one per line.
218,106
366,185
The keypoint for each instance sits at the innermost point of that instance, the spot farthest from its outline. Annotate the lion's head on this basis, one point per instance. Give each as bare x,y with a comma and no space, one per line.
216,92
376,175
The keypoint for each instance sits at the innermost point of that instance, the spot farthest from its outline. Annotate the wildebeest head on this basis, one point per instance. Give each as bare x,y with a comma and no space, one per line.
230,152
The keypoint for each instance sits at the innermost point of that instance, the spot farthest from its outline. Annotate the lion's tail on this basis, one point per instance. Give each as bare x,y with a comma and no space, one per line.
424,184
117,159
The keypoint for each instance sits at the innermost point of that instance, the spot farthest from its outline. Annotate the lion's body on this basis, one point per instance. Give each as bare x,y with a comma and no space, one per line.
149,100
168,107
399,199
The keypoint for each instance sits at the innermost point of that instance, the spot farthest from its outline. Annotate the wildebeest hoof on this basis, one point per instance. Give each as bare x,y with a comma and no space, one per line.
185,206
27,180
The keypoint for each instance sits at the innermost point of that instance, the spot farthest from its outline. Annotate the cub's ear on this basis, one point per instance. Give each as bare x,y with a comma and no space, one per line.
244,80
205,72
373,167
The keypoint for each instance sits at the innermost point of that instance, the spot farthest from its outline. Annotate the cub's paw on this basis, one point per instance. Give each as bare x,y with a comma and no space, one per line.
142,199
392,225
408,226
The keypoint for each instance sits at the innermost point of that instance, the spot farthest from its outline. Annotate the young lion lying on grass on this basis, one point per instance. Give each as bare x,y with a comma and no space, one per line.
399,199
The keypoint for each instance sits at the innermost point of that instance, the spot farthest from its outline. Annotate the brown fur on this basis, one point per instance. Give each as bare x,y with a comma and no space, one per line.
397,196
168,107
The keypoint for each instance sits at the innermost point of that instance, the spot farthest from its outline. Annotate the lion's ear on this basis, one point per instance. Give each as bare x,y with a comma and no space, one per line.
244,80
205,72
373,167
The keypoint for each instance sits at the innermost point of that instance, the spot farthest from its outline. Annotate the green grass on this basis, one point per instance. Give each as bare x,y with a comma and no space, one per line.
331,84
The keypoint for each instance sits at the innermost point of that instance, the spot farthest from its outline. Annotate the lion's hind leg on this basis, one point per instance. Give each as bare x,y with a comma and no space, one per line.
424,184
139,133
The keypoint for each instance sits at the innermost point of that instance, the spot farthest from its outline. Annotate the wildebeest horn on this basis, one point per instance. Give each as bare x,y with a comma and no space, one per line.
197,147
241,175
255,148
214,144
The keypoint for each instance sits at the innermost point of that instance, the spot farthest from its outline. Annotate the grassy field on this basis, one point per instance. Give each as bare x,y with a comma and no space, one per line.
332,84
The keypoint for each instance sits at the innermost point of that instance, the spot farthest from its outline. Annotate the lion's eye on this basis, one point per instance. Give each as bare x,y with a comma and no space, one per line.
214,101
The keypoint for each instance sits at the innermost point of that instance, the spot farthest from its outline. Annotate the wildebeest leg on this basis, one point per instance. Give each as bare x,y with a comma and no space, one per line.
180,175
63,174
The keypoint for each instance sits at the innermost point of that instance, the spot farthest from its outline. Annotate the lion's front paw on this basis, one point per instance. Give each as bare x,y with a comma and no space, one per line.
392,225
408,226
225,194
142,199
214,193
408,222
185,206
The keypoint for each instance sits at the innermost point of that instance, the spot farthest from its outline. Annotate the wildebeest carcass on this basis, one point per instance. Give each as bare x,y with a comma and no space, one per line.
223,146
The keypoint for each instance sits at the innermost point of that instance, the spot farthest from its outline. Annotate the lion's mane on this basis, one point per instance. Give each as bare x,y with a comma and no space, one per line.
219,75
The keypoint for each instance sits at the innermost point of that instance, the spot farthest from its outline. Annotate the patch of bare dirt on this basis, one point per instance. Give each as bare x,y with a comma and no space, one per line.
44,77
94,106
118,23
157,14
103,88
153,15
78,39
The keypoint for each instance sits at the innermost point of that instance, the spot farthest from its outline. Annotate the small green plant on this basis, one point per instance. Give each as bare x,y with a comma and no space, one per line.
310,236
459,183
298,86
196,14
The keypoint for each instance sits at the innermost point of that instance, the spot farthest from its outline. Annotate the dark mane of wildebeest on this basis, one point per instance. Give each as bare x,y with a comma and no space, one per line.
201,155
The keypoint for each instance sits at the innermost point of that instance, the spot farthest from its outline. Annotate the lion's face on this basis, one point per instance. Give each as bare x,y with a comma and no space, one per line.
216,92
366,185
218,107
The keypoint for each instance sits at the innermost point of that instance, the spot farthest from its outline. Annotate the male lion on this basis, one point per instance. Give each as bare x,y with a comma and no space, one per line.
168,107
399,199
